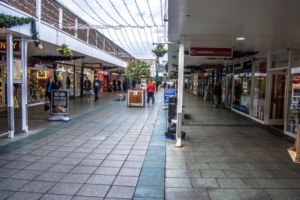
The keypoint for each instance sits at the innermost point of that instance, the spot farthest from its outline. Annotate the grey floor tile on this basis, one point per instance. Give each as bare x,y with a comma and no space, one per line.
83,169
129,172
12,184
101,179
197,166
86,198
5,194
186,193
61,168
93,190
112,163
96,156
50,176
26,174
284,183
5,173
204,183
262,174
281,194
182,173
70,161
231,183
37,186
49,159
136,158
16,164
24,196
107,170
126,181
223,194
65,188
75,178
121,192
253,194
207,173
237,173
130,164
56,197
258,183
39,166
116,157
178,183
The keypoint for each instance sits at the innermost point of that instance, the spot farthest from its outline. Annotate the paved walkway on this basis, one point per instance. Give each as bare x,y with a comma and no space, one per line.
228,156
111,152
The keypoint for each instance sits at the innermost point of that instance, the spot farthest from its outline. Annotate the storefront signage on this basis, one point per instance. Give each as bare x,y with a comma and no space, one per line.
243,67
101,72
229,69
212,66
41,64
3,57
296,79
60,102
211,52
92,65
120,72
16,45
168,93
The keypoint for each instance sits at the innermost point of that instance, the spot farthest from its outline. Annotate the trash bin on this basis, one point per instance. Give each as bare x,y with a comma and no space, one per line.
172,107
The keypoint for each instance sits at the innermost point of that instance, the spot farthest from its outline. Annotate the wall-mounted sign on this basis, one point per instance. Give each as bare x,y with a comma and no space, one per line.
211,52
92,65
16,45
3,57
243,67
101,72
41,64
212,66
229,69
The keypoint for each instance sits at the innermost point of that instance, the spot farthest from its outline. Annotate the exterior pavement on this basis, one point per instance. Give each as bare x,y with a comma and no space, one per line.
229,156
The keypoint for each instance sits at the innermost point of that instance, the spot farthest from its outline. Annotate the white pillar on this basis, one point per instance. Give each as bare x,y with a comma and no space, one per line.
24,87
180,91
10,85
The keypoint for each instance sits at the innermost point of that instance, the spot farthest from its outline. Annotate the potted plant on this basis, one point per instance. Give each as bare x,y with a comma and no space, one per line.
64,50
159,51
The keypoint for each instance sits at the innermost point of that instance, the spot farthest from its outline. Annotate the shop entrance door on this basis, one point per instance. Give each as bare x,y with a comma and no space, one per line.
277,97
2,87
228,97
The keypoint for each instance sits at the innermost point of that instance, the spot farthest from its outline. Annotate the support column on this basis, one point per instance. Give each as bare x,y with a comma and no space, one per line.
24,87
180,91
10,85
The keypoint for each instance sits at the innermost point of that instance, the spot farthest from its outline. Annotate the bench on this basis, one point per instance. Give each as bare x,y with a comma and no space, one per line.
122,95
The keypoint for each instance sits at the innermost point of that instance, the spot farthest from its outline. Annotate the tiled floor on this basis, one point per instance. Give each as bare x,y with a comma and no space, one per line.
227,156
126,157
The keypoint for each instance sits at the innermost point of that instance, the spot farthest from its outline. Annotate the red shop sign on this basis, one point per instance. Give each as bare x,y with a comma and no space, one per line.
296,79
101,72
16,45
211,52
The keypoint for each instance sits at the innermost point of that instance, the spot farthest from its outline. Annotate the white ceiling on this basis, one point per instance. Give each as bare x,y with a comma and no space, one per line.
268,25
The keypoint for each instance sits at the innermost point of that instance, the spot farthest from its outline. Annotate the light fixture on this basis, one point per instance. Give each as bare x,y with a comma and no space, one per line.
188,15
240,38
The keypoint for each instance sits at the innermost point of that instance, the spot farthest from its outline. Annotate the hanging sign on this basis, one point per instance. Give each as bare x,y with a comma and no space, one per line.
60,102
92,65
211,52
229,69
41,64
16,45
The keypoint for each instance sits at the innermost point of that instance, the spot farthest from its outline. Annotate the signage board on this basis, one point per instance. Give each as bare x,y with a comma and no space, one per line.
168,93
18,71
59,102
16,45
211,52
41,64
212,66
244,67
92,65
229,69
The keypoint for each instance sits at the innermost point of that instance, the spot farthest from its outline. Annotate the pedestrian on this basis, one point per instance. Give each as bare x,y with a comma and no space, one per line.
185,86
217,91
51,85
119,84
87,87
173,86
150,92
96,86
115,84
133,83
165,84
125,85
68,82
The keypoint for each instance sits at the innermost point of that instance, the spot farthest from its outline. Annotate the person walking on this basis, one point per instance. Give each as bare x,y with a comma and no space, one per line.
96,86
119,85
125,85
51,85
165,84
87,87
150,92
185,86
115,84
217,91
133,83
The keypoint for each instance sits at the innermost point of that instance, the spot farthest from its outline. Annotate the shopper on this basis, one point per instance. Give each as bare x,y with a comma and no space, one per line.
133,83
217,91
50,86
150,92
165,84
125,85
96,86
185,86
68,82
87,87
119,85
115,84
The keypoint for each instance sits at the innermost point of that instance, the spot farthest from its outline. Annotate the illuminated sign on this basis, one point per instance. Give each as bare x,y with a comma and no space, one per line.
16,45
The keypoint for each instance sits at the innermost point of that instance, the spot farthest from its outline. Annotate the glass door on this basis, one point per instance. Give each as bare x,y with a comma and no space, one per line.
229,90
277,98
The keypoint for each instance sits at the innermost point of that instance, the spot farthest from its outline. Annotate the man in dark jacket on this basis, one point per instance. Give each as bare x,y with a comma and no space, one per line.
217,91
125,85
50,86
119,85
150,92
96,86
115,84
87,87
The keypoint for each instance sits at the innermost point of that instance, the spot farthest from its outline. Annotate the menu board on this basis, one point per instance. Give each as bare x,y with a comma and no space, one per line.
60,102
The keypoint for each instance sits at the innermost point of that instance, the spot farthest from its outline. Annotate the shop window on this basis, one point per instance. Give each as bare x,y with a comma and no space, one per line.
280,60
259,93
90,73
64,77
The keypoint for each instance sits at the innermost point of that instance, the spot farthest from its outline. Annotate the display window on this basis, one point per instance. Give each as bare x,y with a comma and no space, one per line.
77,81
90,73
259,93
64,77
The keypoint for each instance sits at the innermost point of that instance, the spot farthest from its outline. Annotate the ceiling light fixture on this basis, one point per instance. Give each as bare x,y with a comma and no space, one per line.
240,38
188,15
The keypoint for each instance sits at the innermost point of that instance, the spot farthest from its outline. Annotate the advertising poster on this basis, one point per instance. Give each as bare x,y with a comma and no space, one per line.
17,71
60,102
168,93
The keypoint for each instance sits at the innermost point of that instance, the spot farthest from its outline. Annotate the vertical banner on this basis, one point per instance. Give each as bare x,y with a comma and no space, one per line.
167,94
60,102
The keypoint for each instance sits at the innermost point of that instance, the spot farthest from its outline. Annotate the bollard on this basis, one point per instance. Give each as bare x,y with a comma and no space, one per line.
172,106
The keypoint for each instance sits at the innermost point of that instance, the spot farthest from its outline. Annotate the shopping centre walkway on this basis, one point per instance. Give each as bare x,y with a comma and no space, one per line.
115,152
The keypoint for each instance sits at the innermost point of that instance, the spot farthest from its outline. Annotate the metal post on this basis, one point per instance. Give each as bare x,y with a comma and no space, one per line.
24,87
287,90
180,91
10,85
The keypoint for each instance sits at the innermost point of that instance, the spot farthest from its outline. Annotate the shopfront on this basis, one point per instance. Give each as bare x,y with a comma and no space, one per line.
64,76
88,70
229,82
103,77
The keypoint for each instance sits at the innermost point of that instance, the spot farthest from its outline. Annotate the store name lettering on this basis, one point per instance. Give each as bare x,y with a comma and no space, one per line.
16,46
3,57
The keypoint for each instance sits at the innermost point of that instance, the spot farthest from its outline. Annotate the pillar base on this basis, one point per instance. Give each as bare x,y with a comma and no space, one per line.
178,143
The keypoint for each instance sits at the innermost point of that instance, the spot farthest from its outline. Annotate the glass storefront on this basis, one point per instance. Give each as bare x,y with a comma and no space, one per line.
90,73
229,90
242,87
77,82
64,77
259,93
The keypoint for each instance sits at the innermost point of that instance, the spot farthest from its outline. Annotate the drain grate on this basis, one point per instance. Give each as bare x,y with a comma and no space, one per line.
98,138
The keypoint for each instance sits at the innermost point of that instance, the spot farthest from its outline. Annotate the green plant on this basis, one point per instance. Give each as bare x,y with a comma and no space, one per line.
160,48
136,69
8,21
65,50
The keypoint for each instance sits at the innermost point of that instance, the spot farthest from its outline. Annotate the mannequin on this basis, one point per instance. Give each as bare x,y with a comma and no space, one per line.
59,80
